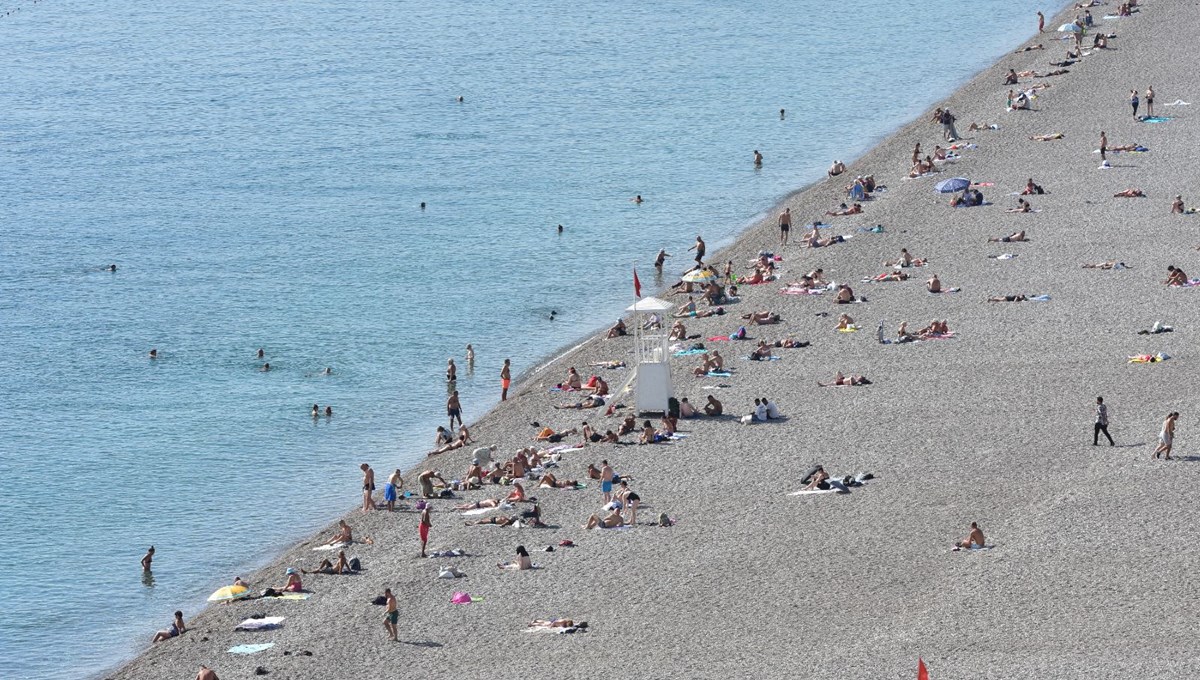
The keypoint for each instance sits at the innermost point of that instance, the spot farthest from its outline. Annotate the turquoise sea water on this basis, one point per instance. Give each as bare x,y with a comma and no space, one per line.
254,170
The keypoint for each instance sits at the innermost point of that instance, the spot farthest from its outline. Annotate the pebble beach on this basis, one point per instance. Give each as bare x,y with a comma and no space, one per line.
1090,552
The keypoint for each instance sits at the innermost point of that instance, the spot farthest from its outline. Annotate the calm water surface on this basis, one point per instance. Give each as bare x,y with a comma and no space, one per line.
254,170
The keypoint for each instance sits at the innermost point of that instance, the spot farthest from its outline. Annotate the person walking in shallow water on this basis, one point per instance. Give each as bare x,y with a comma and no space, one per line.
1166,437
1101,423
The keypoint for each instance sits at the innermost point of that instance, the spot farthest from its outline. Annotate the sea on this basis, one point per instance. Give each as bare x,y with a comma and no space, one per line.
256,170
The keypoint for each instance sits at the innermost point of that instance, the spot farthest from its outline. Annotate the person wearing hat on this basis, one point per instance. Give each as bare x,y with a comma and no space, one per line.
293,581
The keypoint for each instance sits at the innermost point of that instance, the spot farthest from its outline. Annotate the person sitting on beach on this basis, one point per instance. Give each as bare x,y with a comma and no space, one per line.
461,441
714,294
549,435
836,169
441,438
342,566
1047,138
687,309
649,434
1130,193
344,534
818,481
845,295
902,334
294,585
573,380
517,495
969,198
934,284
176,628
618,329
610,521
973,539
934,329
922,167
754,279
1110,264
597,386
1008,298
845,323
905,260
522,562
589,434
1031,188
1175,276
713,407
1177,205
425,481
686,410
1011,78
1023,206
678,331
840,380
628,425
1015,237
843,210
499,520
1019,103
762,318
706,365
761,353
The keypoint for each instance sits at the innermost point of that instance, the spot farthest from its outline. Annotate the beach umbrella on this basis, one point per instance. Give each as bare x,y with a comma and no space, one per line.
950,186
229,593
1070,28
700,276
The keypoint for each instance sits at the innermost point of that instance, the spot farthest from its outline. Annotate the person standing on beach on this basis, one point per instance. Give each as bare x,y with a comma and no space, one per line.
1041,23
148,559
699,248
785,225
1133,101
948,129
1150,101
1166,438
1103,146
392,615
423,528
505,381
916,157
454,408
368,487
606,477
1101,423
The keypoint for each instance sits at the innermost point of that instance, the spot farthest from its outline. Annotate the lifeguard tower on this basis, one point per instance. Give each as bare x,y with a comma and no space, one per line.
653,372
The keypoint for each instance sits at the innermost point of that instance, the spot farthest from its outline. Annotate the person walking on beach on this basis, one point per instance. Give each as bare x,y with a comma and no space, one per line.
1133,101
423,528
1103,146
1041,23
392,615
148,559
1101,423
785,225
368,487
1166,438
699,248
454,408
505,381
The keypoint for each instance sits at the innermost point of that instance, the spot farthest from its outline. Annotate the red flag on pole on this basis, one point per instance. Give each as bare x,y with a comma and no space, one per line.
637,285
922,672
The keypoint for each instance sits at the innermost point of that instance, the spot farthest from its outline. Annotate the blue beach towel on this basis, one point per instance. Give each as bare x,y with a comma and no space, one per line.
1156,119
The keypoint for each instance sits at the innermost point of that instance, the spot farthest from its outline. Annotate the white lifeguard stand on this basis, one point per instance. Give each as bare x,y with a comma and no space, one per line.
653,372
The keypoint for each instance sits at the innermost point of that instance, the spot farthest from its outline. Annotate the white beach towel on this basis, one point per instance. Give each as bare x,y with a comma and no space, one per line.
265,623
809,492
332,546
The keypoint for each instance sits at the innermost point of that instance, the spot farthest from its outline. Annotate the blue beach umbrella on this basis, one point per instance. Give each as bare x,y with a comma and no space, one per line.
950,186
1070,28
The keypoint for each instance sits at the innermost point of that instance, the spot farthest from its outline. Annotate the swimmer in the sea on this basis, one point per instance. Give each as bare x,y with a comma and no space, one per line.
112,267
637,199
422,205
260,353
153,353
758,159
560,228
328,411
316,411
782,114
265,368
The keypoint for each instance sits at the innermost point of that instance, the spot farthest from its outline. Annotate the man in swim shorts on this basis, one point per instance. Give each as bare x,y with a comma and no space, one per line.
606,477
785,225
423,528
368,487
392,615
454,408
973,539
505,380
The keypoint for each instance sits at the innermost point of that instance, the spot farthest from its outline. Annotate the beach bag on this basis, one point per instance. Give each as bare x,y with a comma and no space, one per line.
379,600
355,565
460,598
664,520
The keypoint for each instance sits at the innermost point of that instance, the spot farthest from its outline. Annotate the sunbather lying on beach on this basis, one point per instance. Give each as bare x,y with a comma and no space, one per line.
1175,276
1023,206
973,539
480,505
1008,298
890,276
342,566
589,402
549,481
520,564
611,520
1030,48
1110,264
1158,327
1047,138
500,521
843,210
761,318
935,329
557,623
547,434
1015,237
705,313
615,363
458,443
813,240
1130,193
840,380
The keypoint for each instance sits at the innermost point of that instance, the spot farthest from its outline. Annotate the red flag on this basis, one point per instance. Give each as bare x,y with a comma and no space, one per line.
637,285
922,672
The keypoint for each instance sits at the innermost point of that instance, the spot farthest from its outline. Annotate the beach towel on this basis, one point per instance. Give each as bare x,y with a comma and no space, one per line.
1188,284
1156,119
810,492
720,338
289,596
1148,358
332,546
456,552
947,290
689,352
477,511
1005,256
265,623
802,291
720,374
251,649
1039,298
1178,102
852,328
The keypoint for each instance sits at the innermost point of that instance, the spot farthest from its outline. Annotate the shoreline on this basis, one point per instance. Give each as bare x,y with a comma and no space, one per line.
526,385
